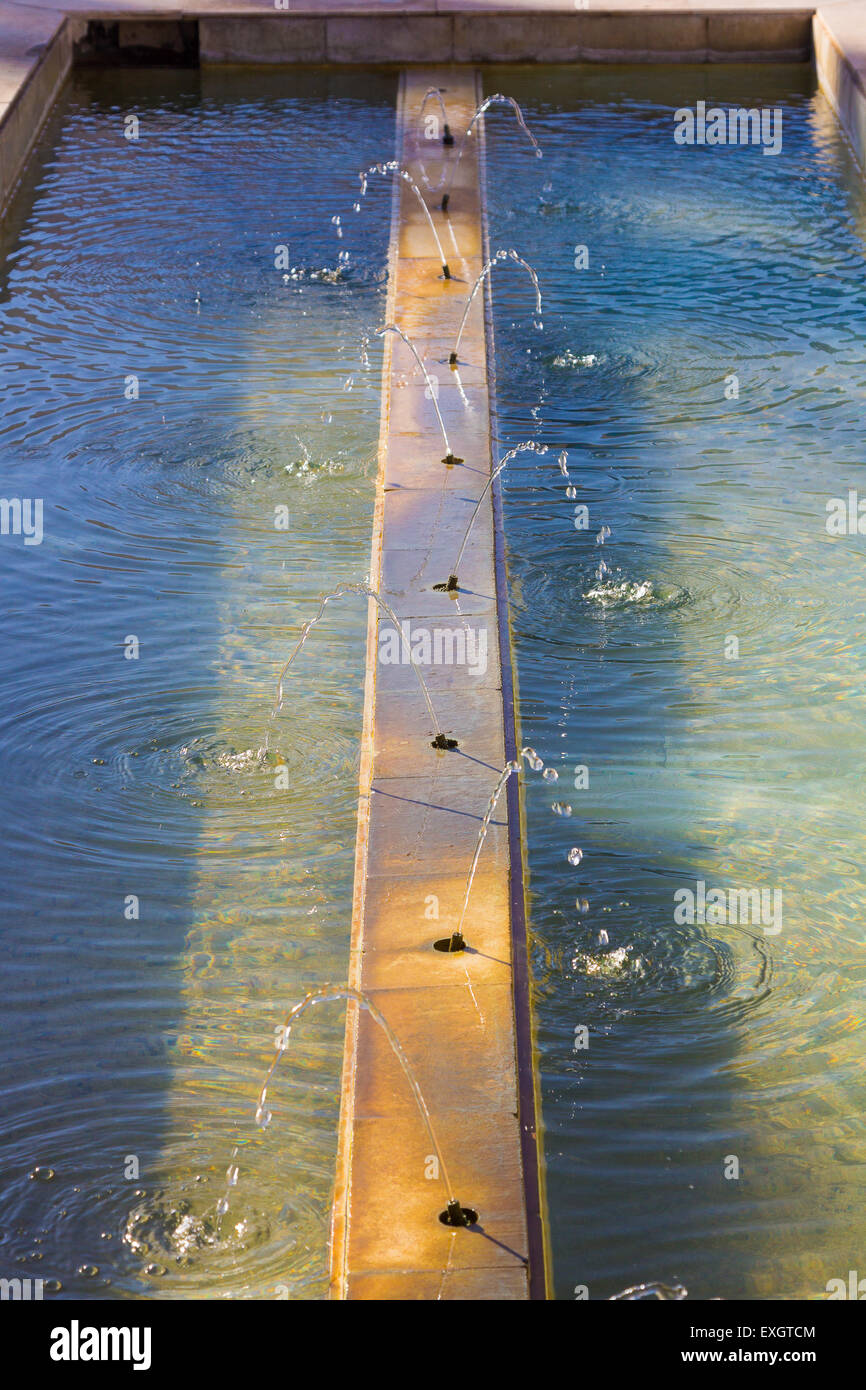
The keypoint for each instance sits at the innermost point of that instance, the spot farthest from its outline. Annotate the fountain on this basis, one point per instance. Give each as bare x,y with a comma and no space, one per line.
480,110
392,167
495,260
440,741
450,586
447,137
455,1214
450,457
456,941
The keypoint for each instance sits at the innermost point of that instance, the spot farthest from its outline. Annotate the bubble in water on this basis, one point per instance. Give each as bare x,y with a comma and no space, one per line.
155,1270
41,1174
88,1271
561,808
52,1286
550,774
575,855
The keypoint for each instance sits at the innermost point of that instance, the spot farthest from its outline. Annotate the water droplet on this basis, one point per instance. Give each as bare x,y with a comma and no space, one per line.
42,1174
602,535
550,774
155,1270
571,492
222,1206
232,1176
563,464
561,808
575,855
52,1286
603,938
88,1271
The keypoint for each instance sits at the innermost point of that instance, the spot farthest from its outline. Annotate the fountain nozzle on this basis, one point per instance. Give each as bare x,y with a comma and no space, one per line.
447,137
455,1215
450,459
442,741
452,360
444,203
450,587
445,271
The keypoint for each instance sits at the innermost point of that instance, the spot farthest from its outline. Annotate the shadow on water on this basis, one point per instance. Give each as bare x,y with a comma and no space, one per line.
715,1042
167,388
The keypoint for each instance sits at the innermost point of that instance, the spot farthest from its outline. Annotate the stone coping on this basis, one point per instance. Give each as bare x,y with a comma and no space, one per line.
462,1018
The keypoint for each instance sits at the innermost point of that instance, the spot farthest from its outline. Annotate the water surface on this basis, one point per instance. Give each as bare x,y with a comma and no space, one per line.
174,386
706,1043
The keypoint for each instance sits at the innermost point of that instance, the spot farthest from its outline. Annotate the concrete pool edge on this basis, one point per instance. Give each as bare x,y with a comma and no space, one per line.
458,1015
39,45
839,40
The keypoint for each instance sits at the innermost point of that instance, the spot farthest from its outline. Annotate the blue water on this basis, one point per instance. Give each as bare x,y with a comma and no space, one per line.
132,1045
738,767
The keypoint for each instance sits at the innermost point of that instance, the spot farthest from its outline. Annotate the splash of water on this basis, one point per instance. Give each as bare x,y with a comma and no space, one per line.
529,446
447,137
340,592
458,942
497,260
530,756
392,167
653,1289
327,994
450,456
497,97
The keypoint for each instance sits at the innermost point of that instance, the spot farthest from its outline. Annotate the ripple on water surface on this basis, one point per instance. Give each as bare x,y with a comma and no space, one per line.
201,424
697,679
